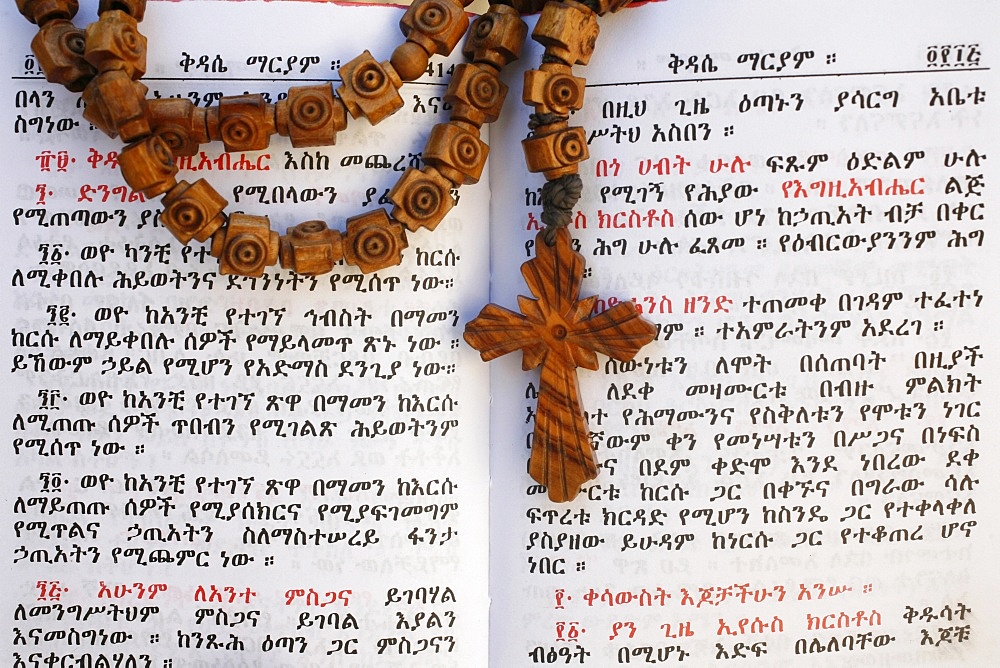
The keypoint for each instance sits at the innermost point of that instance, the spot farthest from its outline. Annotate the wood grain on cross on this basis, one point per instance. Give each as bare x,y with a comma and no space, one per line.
559,331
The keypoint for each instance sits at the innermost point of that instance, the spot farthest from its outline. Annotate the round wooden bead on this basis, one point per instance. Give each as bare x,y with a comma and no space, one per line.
311,248
114,43
373,241
41,12
193,211
409,59
59,47
246,246
422,198
148,166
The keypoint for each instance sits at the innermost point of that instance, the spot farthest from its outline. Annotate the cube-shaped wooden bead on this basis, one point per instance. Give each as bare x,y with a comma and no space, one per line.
246,246
42,11
370,88
311,116
552,89
568,31
242,122
148,166
604,6
311,248
556,153
374,241
436,25
59,47
117,105
134,8
114,43
193,211
179,122
458,153
496,37
475,93
422,198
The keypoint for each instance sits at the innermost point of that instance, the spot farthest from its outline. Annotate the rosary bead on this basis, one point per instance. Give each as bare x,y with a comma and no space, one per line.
568,31
496,37
475,93
557,152
409,59
193,211
242,122
148,166
311,248
114,43
524,7
456,152
246,246
370,88
422,198
436,25
59,48
552,89
310,116
602,7
134,8
41,12
117,105
373,241
179,122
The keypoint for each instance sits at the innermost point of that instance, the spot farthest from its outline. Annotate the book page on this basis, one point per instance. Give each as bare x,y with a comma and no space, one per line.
217,470
797,471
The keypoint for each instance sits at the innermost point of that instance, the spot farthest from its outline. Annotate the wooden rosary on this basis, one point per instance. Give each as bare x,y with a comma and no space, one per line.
556,330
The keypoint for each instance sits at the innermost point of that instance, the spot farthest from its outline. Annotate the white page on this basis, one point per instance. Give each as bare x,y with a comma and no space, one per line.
417,596
630,571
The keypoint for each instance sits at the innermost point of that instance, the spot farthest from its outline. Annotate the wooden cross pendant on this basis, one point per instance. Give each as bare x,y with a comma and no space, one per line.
558,331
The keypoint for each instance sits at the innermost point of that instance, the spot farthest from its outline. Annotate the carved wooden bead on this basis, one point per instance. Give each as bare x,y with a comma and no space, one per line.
370,88
311,116
148,166
193,211
409,59
246,246
475,93
422,198
117,105
496,37
436,25
557,152
41,12
242,122
311,248
604,6
179,122
524,7
568,31
456,152
114,43
552,89
373,241
59,48
134,8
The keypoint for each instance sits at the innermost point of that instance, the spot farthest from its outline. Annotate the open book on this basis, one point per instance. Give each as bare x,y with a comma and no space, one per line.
800,469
